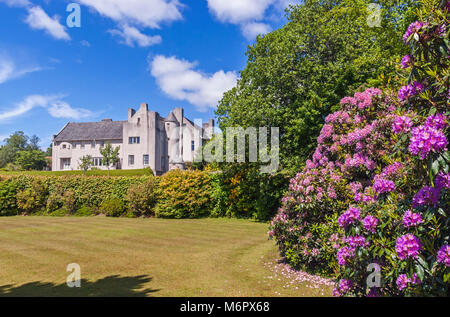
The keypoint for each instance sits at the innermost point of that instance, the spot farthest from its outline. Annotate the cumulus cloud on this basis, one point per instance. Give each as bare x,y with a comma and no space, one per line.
251,30
9,69
16,3
238,11
38,19
146,13
179,80
61,109
53,103
131,36
249,14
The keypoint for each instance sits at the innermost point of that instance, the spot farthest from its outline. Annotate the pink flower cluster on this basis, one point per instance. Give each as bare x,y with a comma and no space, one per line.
426,139
345,254
409,91
382,186
443,255
412,29
401,125
343,288
408,246
357,241
362,100
438,121
407,61
427,196
443,181
411,219
349,217
403,281
370,223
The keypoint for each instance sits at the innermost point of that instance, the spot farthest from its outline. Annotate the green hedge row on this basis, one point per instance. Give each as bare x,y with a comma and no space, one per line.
177,194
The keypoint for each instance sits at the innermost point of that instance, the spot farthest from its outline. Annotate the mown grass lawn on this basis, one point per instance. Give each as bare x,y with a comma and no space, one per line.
141,257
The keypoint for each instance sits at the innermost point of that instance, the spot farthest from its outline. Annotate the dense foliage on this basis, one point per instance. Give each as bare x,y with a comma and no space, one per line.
184,194
21,152
296,74
242,191
380,179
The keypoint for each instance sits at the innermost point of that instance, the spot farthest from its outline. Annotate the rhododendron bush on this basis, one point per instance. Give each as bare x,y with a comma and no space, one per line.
376,192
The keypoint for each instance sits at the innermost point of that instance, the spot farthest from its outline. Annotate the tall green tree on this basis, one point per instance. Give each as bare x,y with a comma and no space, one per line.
295,75
110,155
17,142
31,160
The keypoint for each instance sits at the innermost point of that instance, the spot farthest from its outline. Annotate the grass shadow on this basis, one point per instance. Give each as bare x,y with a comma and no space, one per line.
111,286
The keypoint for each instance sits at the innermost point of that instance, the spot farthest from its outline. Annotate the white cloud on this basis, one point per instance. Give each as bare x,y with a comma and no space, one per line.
9,70
146,13
55,107
85,43
238,11
249,14
16,3
179,80
131,36
61,109
251,30
38,19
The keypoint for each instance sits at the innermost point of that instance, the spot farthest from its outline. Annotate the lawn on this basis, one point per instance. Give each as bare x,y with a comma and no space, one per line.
145,257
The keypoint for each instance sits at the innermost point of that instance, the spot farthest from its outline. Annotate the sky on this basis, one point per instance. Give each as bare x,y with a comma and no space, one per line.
86,60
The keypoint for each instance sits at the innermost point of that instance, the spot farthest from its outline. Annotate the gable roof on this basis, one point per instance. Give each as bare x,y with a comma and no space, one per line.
171,117
104,130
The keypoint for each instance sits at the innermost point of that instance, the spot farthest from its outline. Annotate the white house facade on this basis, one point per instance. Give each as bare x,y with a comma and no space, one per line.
145,140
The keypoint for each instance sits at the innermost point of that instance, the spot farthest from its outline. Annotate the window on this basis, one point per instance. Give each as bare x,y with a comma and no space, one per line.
130,160
146,159
82,145
92,145
97,161
192,146
134,140
102,144
64,146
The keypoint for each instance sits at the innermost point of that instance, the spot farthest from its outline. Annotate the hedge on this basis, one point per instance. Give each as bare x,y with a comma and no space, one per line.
176,194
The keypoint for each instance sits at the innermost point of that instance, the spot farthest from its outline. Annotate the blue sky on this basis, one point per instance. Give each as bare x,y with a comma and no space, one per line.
168,53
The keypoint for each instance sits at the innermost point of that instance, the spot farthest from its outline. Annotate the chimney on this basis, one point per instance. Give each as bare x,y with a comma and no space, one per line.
131,113
144,106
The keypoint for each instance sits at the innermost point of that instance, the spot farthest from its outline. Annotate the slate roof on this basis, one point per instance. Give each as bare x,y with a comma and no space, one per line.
171,118
104,130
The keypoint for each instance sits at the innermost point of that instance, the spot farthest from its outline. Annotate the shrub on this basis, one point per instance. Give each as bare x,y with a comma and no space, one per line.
8,200
240,190
59,213
112,207
380,178
84,211
32,199
141,198
184,194
69,200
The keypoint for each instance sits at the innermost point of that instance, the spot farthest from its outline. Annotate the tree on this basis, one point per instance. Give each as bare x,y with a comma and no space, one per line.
31,160
297,74
85,163
33,143
15,143
110,155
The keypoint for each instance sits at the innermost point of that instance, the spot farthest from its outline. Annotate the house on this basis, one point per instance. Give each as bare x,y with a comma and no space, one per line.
146,140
